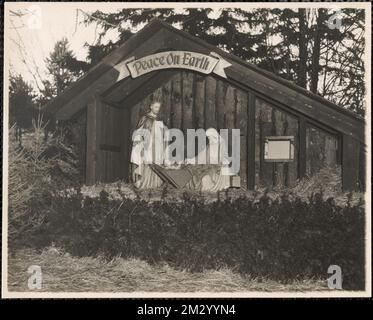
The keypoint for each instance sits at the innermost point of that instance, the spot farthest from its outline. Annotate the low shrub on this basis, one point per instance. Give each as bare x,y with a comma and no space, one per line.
282,239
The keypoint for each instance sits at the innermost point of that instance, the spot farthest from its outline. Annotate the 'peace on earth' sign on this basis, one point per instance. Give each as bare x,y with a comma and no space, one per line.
173,59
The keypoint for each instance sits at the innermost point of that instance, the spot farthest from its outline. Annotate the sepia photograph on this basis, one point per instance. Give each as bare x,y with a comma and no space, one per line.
186,149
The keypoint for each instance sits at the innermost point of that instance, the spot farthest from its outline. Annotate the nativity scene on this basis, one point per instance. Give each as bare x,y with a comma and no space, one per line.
165,79
151,166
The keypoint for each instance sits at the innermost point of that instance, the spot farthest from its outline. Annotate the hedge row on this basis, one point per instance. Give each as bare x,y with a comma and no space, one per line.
282,239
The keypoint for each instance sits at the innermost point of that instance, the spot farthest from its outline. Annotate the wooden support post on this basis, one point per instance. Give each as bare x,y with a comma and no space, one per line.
350,163
210,103
176,101
251,141
302,159
126,141
241,123
362,168
93,140
91,143
339,149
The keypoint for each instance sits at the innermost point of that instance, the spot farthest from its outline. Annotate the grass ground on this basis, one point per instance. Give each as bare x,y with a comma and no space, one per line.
64,273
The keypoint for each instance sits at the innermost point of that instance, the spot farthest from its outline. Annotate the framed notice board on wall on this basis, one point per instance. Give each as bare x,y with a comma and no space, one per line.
279,149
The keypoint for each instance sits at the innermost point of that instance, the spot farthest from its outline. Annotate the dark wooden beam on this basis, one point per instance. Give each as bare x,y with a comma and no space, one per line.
339,149
302,154
94,109
153,83
124,88
362,169
350,163
126,144
251,141
109,147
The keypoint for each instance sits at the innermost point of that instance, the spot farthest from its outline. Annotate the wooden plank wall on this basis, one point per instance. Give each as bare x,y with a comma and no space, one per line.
362,168
251,146
190,100
107,143
78,132
350,163
113,146
194,101
241,102
271,121
321,150
92,144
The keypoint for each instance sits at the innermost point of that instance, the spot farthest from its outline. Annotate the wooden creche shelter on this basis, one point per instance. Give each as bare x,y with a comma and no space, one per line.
222,91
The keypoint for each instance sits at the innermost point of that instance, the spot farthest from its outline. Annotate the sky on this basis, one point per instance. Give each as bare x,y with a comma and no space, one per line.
34,28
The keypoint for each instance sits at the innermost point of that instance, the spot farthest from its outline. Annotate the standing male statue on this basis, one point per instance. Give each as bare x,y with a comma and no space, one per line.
146,137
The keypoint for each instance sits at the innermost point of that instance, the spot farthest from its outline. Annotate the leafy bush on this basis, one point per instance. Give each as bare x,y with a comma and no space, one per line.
280,239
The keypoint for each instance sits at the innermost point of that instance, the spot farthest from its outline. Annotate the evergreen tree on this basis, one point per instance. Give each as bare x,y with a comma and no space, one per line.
22,106
63,69
299,45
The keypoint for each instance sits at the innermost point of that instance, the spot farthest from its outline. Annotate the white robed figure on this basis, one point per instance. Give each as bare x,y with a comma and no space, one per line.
148,147
214,177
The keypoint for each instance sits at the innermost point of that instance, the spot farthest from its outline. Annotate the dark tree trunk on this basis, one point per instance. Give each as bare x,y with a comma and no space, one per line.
302,72
316,50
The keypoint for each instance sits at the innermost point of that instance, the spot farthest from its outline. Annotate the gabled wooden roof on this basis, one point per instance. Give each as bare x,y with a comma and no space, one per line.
158,36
